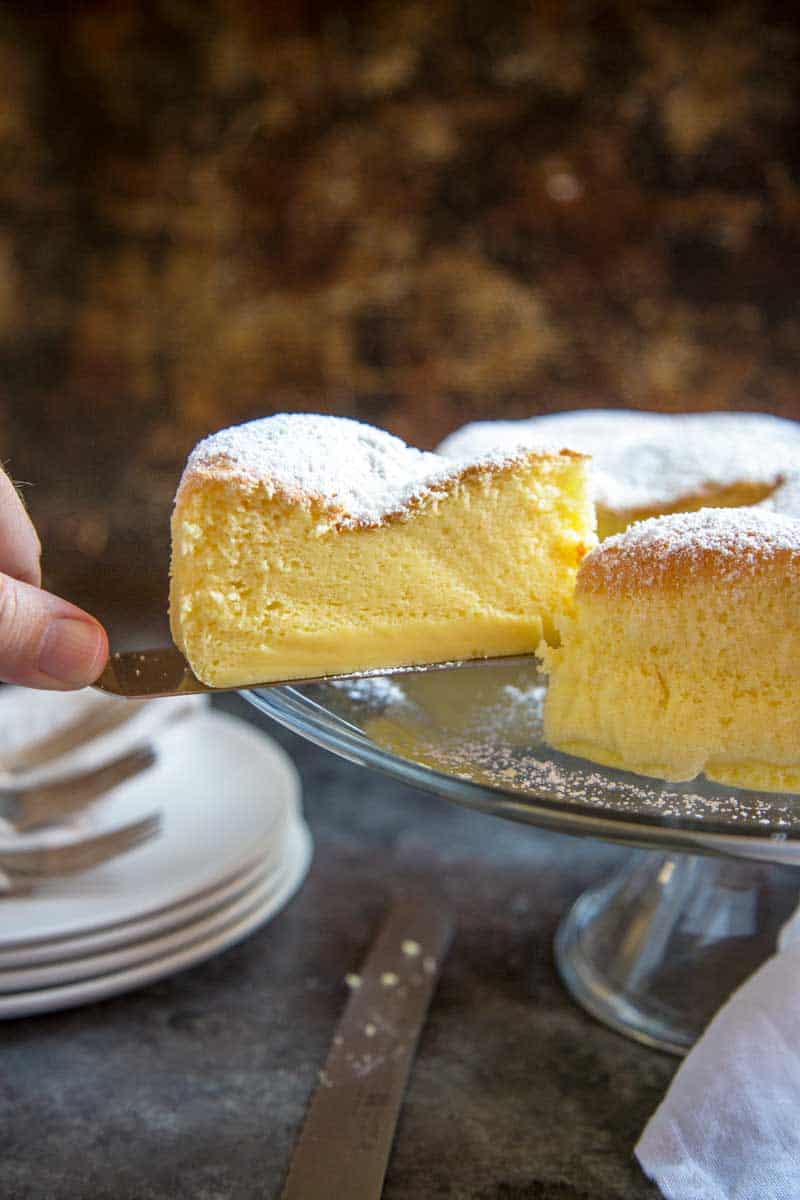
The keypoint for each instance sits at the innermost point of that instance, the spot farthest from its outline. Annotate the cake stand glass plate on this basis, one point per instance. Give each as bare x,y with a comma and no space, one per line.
655,951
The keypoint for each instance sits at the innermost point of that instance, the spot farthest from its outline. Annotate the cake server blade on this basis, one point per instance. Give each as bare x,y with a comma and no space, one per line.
148,674
344,1145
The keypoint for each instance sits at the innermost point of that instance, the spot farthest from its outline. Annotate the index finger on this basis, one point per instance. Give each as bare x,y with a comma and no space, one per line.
20,548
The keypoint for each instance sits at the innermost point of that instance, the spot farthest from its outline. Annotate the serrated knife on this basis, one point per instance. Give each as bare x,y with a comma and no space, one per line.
344,1145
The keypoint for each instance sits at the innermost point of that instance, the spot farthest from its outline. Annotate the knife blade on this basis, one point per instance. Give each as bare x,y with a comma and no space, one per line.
344,1145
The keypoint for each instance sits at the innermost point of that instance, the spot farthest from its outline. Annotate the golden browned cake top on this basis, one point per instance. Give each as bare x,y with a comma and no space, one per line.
724,545
362,475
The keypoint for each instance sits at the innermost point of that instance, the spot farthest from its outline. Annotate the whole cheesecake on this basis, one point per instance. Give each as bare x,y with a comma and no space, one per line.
305,545
647,464
683,653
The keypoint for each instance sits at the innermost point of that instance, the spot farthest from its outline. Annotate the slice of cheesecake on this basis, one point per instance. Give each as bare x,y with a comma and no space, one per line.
305,545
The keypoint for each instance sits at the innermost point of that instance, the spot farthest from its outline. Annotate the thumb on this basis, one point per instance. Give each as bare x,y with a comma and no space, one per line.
45,642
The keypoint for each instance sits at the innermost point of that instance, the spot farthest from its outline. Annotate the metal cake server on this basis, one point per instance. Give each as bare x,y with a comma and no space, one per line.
147,674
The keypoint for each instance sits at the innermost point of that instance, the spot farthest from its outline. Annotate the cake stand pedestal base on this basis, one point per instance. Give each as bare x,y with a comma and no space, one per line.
656,951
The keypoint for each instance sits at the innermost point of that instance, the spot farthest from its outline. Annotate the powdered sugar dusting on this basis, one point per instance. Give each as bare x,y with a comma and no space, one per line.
359,470
734,542
645,460
376,691
786,498
490,733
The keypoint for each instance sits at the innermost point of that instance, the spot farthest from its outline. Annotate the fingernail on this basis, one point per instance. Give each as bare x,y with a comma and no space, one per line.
70,651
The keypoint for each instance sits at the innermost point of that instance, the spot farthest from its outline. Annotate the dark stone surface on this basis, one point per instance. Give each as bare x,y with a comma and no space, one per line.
195,1088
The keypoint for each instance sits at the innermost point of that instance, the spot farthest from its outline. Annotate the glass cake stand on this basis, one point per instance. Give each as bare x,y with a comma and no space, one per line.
654,951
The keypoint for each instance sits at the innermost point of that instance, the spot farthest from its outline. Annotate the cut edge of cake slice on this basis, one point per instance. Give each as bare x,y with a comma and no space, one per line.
305,545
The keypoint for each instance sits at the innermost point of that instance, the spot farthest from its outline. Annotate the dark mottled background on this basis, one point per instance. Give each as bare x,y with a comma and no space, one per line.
417,212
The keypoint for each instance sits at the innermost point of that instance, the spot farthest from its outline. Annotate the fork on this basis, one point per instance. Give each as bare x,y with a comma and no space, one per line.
31,808
85,728
37,862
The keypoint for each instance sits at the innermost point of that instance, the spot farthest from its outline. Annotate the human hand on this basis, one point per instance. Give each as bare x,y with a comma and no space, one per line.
45,642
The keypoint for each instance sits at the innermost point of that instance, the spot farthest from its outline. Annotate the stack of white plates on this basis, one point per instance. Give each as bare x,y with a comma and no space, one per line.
233,850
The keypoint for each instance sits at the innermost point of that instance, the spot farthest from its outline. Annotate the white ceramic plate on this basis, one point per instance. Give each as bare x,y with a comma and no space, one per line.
176,916
90,966
225,792
86,991
30,954
37,953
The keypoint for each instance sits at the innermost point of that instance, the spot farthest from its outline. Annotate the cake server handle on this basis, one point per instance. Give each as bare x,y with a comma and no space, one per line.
344,1145
148,674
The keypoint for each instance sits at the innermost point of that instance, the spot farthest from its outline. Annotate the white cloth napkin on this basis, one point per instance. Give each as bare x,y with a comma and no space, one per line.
729,1126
